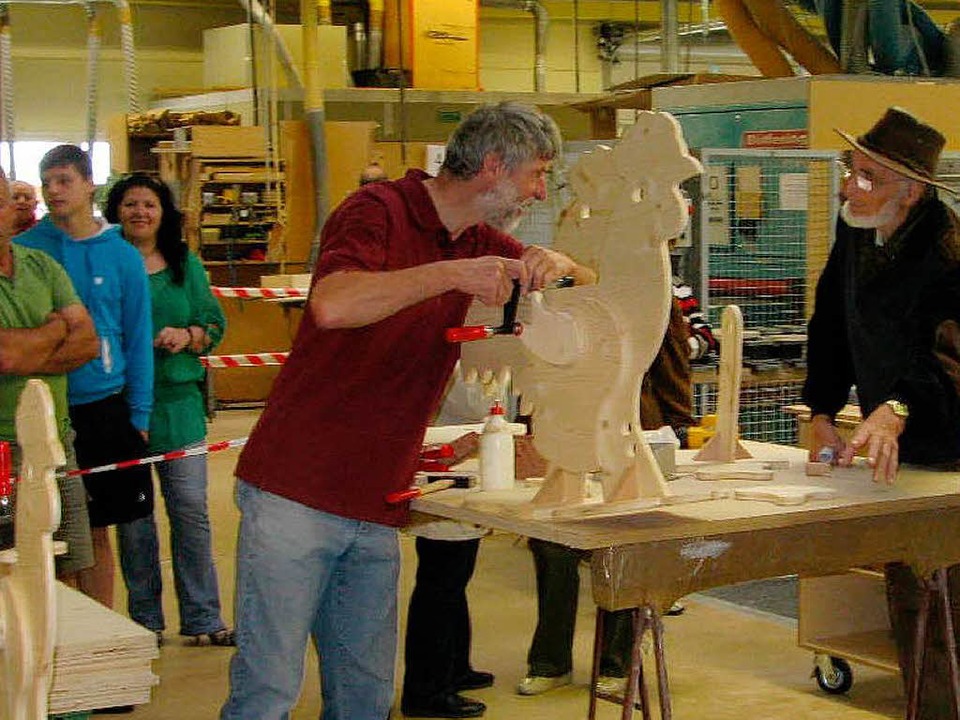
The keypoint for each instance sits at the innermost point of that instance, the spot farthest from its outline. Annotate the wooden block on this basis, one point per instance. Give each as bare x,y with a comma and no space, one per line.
222,141
817,469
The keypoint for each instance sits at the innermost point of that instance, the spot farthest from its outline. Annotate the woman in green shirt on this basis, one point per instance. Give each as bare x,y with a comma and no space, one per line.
187,322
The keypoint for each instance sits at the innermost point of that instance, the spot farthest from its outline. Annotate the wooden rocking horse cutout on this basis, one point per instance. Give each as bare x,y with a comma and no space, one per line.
581,357
27,586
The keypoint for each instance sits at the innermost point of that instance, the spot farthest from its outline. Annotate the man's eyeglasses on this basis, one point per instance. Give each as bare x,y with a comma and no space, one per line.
864,179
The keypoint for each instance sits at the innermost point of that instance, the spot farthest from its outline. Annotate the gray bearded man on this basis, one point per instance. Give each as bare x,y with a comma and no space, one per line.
885,321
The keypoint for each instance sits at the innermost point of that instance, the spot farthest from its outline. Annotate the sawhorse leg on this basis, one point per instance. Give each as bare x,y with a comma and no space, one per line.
936,588
644,618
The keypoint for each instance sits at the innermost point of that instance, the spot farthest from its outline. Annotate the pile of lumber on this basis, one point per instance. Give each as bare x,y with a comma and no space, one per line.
101,659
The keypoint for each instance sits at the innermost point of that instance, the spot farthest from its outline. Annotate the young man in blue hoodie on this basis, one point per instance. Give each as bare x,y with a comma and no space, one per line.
111,396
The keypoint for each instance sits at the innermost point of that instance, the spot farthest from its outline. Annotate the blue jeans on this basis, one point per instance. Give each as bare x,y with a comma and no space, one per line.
183,483
304,573
140,563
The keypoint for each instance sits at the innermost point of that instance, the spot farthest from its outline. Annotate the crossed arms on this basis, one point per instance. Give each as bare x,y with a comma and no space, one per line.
64,342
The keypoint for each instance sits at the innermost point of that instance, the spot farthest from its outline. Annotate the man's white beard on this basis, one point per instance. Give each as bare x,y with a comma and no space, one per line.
508,221
879,219
502,209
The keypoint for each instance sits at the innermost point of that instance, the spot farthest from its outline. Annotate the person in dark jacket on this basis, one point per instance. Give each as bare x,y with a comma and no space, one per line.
885,321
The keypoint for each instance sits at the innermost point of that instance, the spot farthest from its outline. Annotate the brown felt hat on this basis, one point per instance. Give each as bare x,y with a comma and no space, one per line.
904,144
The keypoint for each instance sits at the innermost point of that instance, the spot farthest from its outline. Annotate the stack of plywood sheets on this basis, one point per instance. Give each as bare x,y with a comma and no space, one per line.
101,659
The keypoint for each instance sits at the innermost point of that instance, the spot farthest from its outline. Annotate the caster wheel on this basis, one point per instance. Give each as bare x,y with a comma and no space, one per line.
835,680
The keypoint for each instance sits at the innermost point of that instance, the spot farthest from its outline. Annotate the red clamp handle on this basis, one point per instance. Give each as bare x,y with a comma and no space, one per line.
468,334
395,498
436,452
6,469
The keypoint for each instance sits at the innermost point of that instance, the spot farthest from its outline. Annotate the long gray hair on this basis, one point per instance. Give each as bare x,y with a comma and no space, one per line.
514,132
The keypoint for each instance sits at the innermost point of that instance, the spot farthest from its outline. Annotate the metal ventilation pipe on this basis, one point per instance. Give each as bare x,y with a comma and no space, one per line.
375,35
324,13
540,38
315,118
265,21
853,38
670,46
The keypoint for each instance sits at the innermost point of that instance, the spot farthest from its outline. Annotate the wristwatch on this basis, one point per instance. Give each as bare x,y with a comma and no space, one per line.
900,409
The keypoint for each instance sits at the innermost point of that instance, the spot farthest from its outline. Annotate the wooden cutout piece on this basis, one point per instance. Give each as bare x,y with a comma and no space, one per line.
724,445
817,469
734,474
596,510
27,589
785,494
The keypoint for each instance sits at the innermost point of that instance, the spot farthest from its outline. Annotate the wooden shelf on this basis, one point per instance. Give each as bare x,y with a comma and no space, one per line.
237,223
240,224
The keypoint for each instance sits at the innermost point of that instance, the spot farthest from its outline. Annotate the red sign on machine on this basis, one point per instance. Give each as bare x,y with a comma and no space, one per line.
780,139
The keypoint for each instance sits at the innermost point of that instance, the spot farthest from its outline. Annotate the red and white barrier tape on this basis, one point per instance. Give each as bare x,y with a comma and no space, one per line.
252,293
153,459
244,360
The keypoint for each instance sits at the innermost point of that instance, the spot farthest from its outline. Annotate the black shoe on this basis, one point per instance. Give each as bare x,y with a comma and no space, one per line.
676,609
474,680
450,705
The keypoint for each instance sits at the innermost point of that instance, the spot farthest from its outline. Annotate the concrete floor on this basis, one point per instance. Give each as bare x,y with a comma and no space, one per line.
725,662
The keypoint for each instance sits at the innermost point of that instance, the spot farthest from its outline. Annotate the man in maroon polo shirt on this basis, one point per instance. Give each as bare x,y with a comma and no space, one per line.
400,262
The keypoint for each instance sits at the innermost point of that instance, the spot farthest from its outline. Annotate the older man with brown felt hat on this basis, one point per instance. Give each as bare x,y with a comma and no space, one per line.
886,321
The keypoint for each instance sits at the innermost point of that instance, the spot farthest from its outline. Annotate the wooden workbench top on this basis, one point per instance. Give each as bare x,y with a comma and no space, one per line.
857,496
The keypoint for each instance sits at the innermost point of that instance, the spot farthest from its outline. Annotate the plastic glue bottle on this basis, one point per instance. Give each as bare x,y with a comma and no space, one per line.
496,452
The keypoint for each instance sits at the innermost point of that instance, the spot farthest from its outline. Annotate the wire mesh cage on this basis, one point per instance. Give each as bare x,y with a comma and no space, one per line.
766,228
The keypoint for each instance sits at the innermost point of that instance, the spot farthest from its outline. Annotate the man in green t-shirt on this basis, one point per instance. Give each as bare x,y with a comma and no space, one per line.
44,332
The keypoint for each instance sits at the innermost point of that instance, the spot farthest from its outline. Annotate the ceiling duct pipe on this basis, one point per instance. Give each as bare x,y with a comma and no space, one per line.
324,13
315,119
263,19
670,45
539,13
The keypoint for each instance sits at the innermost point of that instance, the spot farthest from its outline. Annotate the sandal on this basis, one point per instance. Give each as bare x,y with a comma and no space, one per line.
219,638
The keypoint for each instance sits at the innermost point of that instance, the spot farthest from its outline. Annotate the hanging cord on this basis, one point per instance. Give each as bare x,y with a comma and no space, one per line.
93,55
129,56
6,89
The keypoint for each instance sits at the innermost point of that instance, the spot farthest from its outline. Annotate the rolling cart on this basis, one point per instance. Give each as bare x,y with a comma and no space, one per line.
844,619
